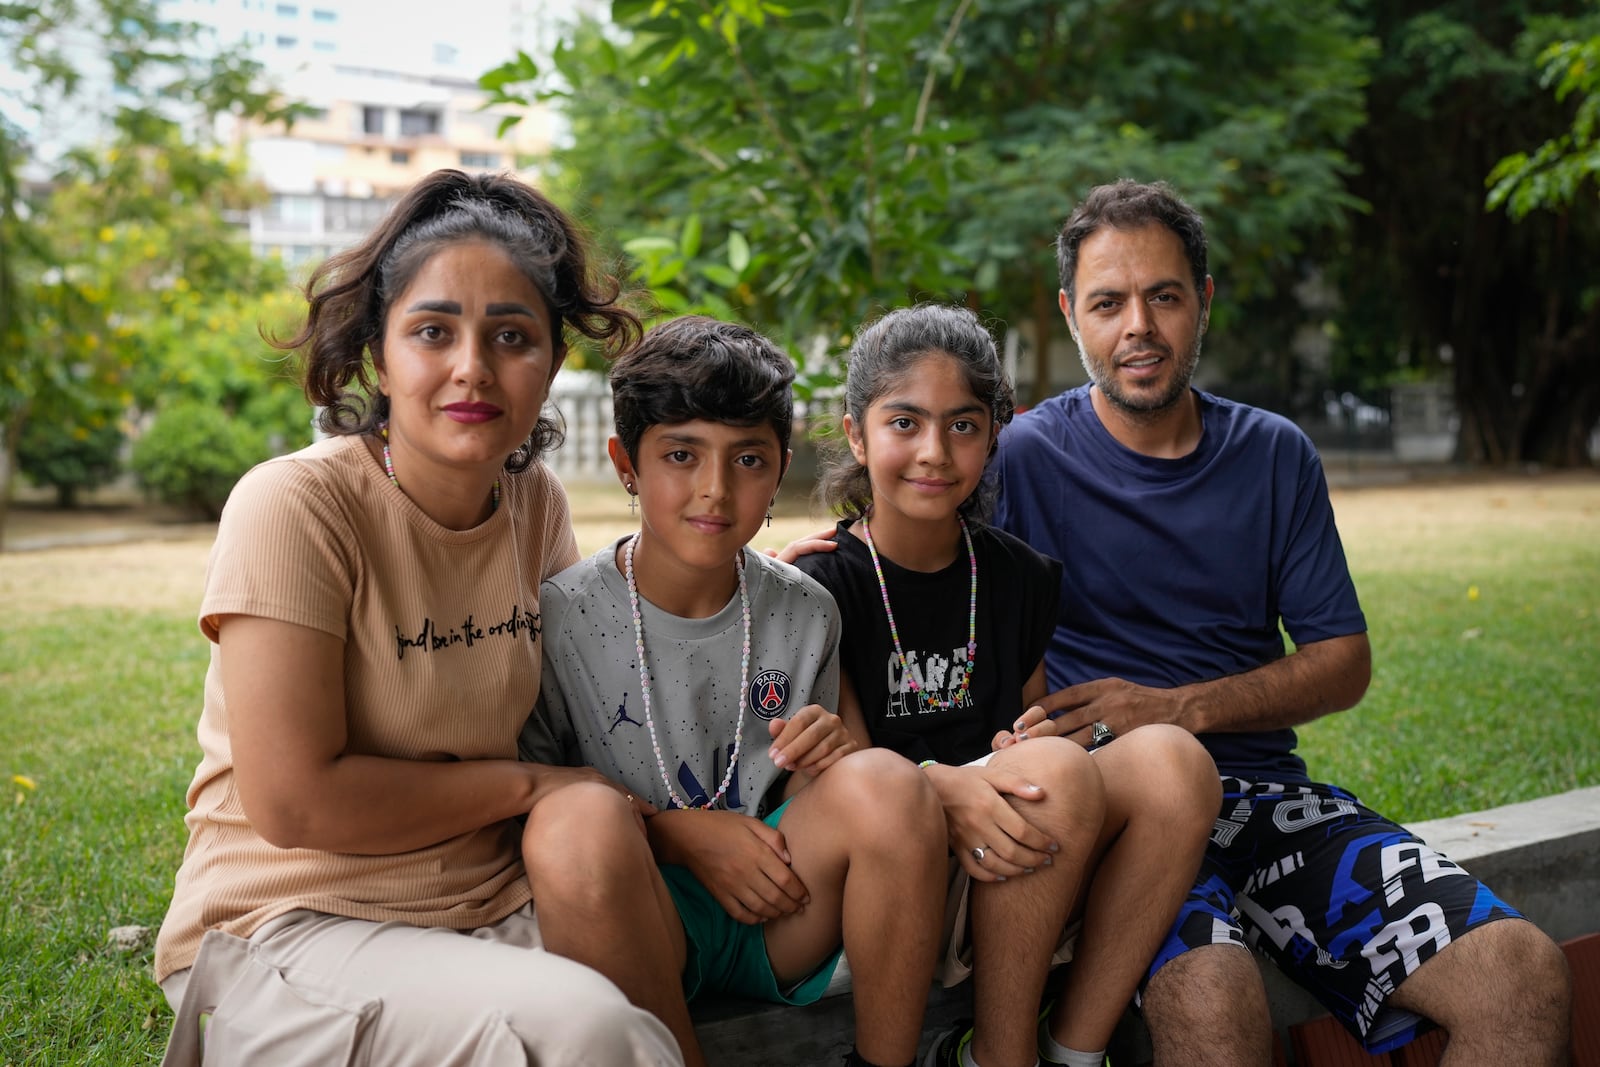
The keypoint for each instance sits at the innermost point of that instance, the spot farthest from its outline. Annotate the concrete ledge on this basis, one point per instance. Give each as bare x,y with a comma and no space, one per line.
1542,856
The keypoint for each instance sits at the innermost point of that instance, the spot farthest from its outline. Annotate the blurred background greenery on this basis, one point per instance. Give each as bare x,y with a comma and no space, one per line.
1396,192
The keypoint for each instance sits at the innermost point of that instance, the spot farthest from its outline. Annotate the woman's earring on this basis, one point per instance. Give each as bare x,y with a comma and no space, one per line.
769,512
633,500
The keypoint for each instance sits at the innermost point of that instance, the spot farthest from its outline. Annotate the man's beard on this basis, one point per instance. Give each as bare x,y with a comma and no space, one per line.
1138,405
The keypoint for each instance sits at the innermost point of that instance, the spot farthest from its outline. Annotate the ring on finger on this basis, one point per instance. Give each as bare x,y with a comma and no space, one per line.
979,852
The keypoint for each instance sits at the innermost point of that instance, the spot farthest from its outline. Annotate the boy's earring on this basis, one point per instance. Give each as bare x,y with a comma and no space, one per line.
769,512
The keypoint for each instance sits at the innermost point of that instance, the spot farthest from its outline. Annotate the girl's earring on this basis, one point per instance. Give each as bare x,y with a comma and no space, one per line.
769,512
633,500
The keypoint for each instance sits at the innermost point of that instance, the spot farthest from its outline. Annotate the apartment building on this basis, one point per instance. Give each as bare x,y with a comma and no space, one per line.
392,90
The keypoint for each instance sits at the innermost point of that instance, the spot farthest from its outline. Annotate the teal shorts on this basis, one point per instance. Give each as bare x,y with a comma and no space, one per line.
728,956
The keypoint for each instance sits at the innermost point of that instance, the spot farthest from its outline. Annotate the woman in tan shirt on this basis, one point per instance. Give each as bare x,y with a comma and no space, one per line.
351,890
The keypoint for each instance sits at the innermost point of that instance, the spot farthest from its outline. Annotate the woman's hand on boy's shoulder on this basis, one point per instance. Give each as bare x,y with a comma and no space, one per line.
821,541
809,741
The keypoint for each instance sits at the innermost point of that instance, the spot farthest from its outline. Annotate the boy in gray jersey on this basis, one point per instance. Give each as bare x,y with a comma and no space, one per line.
738,831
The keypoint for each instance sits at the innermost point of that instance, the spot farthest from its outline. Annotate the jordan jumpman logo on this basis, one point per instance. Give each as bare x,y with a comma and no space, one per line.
622,714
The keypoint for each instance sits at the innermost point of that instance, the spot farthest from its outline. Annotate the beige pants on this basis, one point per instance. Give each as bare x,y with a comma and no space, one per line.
309,988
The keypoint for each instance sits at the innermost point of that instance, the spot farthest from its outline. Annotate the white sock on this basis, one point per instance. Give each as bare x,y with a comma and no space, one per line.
1052,1051
968,1061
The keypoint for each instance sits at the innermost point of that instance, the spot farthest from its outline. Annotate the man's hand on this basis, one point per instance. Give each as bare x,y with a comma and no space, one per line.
821,541
742,862
1073,711
810,741
1315,679
977,816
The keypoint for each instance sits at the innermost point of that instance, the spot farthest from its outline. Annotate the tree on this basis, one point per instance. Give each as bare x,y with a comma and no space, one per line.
1245,108
1558,169
1434,283
747,120
872,153
88,256
225,399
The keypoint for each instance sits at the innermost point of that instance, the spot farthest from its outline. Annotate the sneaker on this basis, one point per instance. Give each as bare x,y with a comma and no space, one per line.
946,1049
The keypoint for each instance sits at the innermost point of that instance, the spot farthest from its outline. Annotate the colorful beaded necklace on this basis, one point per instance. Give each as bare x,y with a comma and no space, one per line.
644,679
894,631
388,468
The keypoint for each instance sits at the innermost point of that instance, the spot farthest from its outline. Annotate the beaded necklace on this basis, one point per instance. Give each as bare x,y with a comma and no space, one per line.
388,468
894,631
644,679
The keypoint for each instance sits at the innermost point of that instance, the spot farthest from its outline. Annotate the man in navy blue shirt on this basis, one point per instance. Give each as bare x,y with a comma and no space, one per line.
1189,528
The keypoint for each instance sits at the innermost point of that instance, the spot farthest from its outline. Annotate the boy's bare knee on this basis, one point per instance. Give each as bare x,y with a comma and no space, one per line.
879,794
576,826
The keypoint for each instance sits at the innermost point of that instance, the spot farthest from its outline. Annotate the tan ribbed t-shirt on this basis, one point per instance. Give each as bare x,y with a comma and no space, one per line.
441,630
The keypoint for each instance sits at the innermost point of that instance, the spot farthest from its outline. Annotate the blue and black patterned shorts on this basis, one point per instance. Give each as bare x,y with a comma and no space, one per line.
1345,902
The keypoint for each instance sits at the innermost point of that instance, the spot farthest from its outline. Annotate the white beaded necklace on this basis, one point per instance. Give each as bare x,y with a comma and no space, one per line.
644,679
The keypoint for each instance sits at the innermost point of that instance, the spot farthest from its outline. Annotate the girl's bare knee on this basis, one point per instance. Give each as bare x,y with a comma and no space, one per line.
1070,777
1175,775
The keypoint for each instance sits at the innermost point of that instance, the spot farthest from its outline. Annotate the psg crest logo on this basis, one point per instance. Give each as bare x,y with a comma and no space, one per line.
769,694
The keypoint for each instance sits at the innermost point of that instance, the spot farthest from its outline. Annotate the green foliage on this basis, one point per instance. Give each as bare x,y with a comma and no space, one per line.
228,400
1553,175
127,231
1433,284
743,121
1475,702
194,453
871,154
71,456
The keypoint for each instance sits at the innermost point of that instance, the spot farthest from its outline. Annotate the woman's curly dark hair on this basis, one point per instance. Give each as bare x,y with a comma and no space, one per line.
349,295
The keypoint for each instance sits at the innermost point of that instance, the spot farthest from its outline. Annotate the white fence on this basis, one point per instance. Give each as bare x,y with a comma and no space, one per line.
583,399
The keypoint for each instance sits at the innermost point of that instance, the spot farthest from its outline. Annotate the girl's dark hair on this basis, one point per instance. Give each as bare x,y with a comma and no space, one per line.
701,368
349,295
882,356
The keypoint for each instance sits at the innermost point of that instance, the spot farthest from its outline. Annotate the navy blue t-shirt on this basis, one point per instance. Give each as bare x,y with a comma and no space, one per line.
1179,570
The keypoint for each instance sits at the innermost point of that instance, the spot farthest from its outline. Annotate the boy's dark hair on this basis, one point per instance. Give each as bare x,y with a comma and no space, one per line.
883,354
701,368
350,293
1128,205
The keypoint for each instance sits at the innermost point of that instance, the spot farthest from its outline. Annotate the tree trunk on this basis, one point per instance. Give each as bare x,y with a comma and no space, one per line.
11,433
1045,311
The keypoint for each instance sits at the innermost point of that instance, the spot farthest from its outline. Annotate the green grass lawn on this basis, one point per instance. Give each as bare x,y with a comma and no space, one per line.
1476,700
1486,661
98,711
